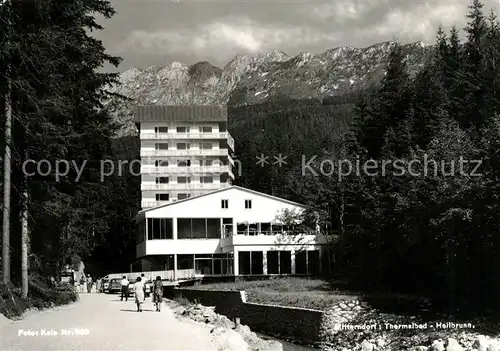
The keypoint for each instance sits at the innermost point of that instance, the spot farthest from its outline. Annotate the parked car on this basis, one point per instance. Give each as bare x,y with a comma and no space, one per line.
131,287
114,286
105,284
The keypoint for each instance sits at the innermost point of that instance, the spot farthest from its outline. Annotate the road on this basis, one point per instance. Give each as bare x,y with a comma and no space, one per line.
103,322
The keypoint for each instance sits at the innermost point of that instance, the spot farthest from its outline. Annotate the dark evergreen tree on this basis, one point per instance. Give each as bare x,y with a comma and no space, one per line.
57,94
390,107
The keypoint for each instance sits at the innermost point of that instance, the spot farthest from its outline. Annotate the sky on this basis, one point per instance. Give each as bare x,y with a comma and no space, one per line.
159,32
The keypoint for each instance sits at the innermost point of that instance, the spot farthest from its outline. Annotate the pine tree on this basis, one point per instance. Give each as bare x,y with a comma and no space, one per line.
492,69
471,74
390,106
57,92
431,94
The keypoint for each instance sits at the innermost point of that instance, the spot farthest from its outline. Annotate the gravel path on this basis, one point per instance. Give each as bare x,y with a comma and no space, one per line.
103,322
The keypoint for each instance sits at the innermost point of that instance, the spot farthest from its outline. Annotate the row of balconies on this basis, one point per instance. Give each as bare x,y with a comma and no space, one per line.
196,170
169,136
185,186
186,153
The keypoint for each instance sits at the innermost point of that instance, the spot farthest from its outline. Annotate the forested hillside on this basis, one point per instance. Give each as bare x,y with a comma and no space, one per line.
430,230
292,128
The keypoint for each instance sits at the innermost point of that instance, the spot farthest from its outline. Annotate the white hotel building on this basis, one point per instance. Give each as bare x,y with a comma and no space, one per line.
192,216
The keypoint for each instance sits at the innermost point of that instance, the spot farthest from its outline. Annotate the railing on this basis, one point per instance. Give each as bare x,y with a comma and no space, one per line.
255,233
149,204
194,135
230,141
181,274
168,275
151,169
190,152
185,186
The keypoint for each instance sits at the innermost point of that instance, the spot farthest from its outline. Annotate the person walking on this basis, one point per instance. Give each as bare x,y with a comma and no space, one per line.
124,283
144,280
158,293
98,285
89,283
139,293
82,283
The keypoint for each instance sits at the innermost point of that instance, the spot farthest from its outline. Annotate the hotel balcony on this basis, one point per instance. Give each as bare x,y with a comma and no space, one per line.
185,153
189,136
197,170
149,204
277,240
185,186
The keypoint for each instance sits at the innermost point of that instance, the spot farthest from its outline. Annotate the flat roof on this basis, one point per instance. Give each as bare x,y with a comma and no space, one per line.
191,113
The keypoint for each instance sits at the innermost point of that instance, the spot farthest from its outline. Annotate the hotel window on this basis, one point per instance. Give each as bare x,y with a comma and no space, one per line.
248,204
160,228
182,129
161,130
162,197
183,180
206,146
207,179
184,163
206,129
162,180
206,162
161,146
161,163
182,146
183,196
224,203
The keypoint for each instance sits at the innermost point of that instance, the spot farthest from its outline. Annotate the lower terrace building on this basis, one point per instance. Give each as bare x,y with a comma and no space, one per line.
231,231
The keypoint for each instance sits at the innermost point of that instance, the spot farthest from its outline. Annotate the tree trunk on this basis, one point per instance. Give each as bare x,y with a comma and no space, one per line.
7,185
341,217
24,243
451,258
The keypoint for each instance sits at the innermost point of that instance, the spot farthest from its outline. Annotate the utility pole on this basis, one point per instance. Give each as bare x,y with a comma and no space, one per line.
7,165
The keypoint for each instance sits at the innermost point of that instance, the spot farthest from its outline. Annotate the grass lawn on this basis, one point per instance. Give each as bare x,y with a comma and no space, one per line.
296,292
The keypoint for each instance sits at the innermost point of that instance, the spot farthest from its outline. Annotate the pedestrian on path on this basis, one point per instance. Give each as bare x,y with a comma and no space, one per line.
82,283
158,293
143,280
89,283
139,293
124,283
98,285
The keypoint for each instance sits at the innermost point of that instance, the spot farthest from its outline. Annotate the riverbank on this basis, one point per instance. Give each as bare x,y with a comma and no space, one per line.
374,323
206,315
288,346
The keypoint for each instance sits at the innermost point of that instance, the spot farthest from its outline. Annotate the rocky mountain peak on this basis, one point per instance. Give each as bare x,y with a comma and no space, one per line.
204,70
251,79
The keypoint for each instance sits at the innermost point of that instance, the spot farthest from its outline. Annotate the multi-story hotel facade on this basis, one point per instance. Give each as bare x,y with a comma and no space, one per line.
185,151
193,218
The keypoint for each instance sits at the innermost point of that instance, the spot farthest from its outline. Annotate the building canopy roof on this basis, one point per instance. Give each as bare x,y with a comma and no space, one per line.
191,113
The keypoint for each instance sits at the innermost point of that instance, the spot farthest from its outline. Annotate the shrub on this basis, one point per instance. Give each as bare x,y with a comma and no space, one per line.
39,296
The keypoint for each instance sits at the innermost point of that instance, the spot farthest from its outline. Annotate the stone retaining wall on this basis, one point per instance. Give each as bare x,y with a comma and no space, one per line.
227,303
288,323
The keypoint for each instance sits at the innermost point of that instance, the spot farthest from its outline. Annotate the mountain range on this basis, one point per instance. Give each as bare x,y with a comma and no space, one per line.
254,79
